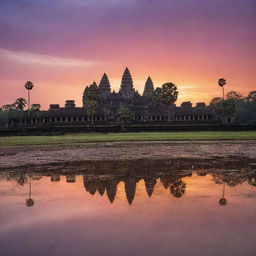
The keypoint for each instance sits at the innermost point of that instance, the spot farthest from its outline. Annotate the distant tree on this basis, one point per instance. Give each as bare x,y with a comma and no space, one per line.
8,107
215,100
222,82
242,110
228,107
35,107
92,95
234,95
7,111
167,94
251,97
29,86
20,104
157,95
124,115
245,113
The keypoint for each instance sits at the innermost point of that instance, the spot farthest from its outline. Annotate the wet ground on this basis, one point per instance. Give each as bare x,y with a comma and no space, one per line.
44,155
181,206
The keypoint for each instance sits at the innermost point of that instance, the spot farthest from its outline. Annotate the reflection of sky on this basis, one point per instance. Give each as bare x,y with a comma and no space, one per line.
67,220
63,45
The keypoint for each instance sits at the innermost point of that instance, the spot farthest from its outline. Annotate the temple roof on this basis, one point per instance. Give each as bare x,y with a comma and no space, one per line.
126,88
127,79
104,82
149,84
149,88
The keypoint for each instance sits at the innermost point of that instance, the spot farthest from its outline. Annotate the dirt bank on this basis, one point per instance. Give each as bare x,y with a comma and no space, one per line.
42,155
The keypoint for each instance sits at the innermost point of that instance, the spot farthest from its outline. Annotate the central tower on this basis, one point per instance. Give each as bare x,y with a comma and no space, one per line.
127,90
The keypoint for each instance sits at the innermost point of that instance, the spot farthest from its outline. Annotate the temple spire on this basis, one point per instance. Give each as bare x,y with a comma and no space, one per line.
149,88
130,189
127,90
111,189
150,183
104,86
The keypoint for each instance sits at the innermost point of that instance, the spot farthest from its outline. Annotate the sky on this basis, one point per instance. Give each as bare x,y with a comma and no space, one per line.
64,45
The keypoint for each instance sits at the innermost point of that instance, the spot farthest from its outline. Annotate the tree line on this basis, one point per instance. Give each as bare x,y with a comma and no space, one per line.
241,109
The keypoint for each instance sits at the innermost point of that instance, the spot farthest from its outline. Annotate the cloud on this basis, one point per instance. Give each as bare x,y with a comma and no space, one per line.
30,58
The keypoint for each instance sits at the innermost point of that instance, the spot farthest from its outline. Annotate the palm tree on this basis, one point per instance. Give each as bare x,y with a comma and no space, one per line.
29,86
222,83
29,201
20,104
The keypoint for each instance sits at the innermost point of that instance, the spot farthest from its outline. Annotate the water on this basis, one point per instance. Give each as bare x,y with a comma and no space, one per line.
129,208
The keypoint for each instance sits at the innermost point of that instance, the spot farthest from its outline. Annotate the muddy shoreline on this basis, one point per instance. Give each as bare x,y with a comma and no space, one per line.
18,156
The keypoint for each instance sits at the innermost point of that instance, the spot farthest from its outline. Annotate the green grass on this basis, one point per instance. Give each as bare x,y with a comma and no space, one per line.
72,139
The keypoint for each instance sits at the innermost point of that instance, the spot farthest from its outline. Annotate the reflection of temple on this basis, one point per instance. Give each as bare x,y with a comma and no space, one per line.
105,182
109,183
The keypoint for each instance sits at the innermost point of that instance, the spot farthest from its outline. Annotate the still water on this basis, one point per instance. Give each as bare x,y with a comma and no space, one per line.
129,209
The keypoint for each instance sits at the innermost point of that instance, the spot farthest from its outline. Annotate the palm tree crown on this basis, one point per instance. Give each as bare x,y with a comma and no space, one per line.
221,83
29,85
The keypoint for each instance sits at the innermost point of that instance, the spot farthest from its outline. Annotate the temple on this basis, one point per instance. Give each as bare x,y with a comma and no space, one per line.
145,110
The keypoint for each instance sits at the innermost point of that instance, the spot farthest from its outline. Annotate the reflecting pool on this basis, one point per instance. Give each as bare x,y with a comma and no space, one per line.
142,207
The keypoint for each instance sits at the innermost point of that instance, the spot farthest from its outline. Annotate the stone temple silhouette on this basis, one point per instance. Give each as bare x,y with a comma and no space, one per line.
145,111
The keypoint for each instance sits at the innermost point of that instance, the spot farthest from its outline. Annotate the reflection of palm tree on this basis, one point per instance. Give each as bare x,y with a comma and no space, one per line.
29,200
223,200
178,188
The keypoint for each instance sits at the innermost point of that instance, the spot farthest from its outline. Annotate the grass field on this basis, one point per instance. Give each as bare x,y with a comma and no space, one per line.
71,139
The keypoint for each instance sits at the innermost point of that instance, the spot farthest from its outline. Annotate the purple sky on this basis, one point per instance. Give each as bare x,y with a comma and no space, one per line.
63,45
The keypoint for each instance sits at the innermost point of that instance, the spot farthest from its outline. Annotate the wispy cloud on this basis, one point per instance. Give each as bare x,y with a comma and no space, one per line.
83,2
30,58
